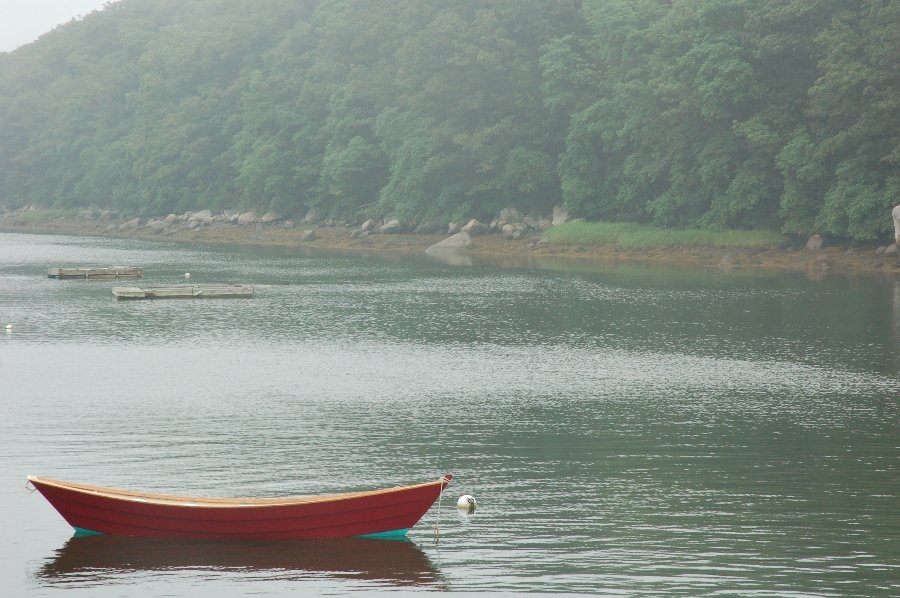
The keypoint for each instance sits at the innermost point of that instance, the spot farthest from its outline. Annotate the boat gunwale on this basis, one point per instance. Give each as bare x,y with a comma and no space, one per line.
139,497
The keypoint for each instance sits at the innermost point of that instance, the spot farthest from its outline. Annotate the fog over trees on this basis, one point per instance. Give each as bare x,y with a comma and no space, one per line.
778,114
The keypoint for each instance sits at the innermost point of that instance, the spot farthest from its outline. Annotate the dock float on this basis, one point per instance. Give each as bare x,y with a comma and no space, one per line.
86,272
184,292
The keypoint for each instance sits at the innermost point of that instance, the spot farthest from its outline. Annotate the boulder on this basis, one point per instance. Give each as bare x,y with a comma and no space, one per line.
815,242
368,226
269,218
531,221
895,213
156,226
391,227
891,249
513,231
130,224
314,214
560,216
203,215
246,218
453,228
474,227
170,219
309,235
461,241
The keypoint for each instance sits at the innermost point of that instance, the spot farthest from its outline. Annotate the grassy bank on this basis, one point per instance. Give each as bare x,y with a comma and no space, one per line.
637,237
39,217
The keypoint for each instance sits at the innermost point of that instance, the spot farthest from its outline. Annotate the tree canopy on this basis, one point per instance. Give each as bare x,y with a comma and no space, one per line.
779,114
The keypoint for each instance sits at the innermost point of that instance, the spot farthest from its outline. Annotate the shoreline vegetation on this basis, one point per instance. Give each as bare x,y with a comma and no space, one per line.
723,114
580,241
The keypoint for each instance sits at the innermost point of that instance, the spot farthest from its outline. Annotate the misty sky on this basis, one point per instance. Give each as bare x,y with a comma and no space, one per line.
23,21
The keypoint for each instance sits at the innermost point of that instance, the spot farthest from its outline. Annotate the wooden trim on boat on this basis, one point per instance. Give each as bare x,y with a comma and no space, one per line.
201,501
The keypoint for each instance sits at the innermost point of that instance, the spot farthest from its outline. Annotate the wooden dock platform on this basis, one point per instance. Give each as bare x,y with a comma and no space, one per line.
91,272
184,292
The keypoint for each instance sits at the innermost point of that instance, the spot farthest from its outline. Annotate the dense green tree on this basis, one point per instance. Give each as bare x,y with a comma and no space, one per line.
469,116
854,117
705,113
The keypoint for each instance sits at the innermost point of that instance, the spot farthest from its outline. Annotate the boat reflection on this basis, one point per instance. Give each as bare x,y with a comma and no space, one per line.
108,557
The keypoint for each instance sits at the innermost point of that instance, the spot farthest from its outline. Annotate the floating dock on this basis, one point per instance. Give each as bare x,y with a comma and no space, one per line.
184,292
110,272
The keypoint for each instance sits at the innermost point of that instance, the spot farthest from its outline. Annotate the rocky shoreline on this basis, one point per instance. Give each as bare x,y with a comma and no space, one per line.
521,245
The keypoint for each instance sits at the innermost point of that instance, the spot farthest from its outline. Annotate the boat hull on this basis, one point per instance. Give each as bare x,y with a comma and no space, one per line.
94,509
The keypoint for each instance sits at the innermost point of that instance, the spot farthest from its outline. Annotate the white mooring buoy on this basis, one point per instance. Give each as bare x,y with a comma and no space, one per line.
466,503
187,274
9,327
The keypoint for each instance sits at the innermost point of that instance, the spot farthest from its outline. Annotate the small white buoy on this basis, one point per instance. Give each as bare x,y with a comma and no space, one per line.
466,503
9,327
187,274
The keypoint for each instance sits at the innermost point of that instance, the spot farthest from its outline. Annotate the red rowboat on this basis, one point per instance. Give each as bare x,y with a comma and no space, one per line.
374,513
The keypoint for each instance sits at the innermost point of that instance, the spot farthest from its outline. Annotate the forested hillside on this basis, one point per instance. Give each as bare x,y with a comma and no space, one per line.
780,114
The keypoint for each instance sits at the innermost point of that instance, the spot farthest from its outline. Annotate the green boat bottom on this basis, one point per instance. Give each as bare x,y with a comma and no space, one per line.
395,534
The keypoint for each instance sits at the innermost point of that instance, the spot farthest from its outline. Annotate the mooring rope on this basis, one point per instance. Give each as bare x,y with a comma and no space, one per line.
436,526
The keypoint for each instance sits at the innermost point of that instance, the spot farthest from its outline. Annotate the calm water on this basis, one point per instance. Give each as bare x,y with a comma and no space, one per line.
626,430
